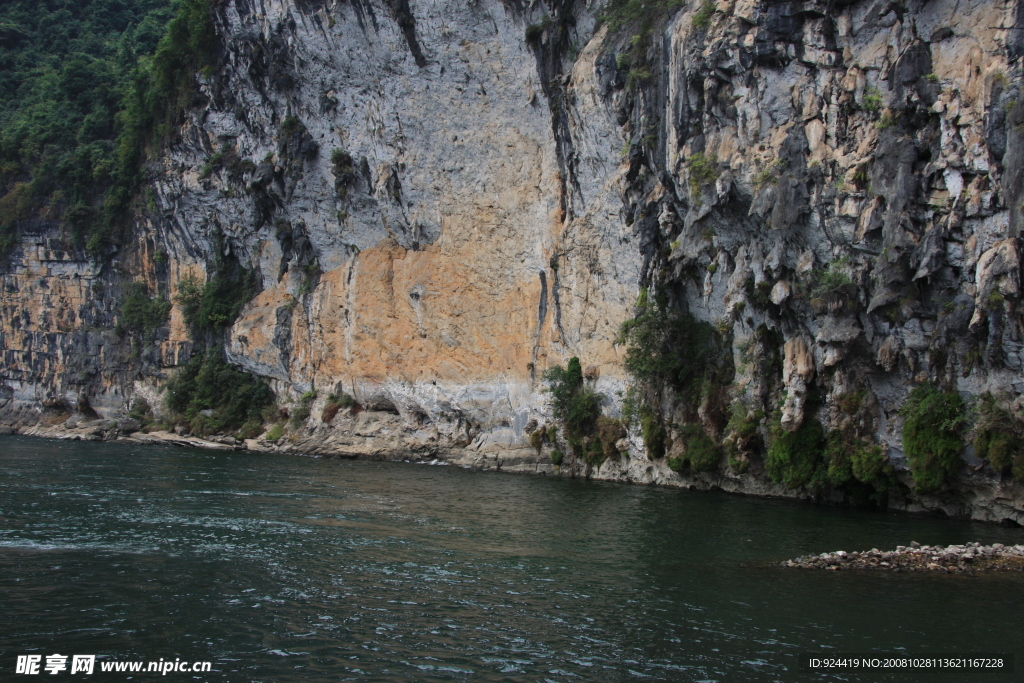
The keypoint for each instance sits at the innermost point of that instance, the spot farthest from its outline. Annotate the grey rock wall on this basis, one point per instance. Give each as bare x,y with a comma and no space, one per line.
440,202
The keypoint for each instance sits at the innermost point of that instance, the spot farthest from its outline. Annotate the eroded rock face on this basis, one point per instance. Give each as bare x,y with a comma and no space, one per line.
439,204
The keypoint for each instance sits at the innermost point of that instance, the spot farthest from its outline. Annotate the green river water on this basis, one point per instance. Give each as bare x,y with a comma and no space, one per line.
286,568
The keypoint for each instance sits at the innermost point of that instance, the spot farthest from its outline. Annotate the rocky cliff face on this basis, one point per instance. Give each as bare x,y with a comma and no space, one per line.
439,200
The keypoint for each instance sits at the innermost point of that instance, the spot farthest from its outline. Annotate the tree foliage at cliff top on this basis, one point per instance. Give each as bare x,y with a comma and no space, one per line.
85,87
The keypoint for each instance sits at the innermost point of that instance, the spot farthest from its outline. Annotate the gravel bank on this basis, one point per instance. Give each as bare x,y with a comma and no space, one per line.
952,559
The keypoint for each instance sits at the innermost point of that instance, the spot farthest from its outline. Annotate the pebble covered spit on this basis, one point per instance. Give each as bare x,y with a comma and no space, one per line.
952,559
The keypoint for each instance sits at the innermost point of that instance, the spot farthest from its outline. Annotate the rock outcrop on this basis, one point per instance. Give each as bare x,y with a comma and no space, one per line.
439,200
953,559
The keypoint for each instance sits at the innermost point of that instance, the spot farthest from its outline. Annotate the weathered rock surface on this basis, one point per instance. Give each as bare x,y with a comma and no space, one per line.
438,209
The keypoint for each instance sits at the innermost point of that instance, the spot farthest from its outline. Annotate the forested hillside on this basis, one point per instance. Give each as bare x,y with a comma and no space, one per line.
83,84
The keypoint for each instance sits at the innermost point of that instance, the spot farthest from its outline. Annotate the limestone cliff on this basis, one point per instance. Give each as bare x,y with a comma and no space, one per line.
440,199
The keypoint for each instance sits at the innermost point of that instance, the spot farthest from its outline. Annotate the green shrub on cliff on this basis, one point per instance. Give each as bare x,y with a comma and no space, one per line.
702,17
574,404
609,431
999,436
933,422
851,459
702,170
793,456
653,432
620,13
667,348
742,435
700,452
141,314
215,304
209,396
335,403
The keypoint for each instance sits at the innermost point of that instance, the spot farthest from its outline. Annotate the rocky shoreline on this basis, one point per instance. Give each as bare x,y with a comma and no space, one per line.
951,559
376,435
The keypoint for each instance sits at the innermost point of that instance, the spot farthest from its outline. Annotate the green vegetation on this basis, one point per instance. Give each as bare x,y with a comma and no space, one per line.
831,282
140,410
999,436
620,13
653,432
702,170
302,411
209,396
760,295
642,18
344,169
872,99
668,348
609,431
887,121
933,422
769,174
700,452
537,437
216,304
556,458
793,456
275,433
670,351
335,403
702,17
87,88
141,314
574,404
742,436
856,459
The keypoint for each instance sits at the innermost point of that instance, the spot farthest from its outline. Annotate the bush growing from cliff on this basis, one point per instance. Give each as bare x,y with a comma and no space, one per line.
670,351
343,167
620,13
999,436
303,410
701,453
609,432
556,458
849,458
667,348
142,314
574,404
335,403
760,294
933,423
701,170
702,17
653,432
210,396
832,282
216,304
742,435
793,456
